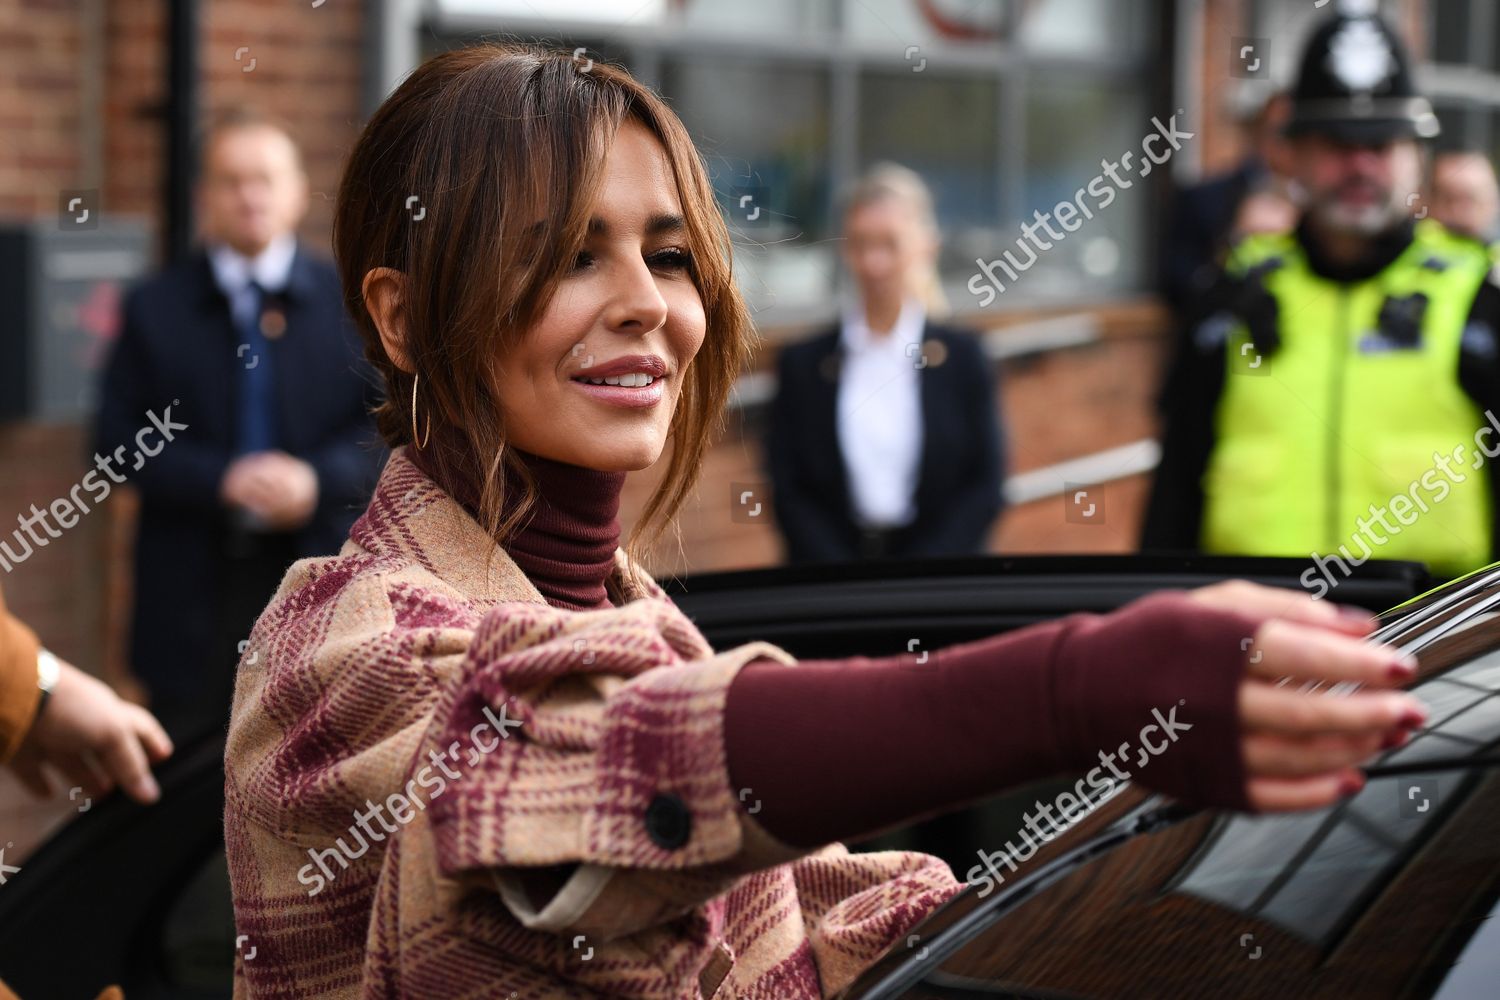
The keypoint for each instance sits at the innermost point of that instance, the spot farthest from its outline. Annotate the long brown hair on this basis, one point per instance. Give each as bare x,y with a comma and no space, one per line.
475,179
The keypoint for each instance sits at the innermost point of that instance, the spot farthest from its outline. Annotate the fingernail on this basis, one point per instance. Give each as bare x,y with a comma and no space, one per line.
1351,784
1396,739
1412,719
1403,669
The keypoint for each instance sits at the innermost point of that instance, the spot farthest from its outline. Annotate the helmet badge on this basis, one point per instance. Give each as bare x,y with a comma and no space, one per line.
1360,56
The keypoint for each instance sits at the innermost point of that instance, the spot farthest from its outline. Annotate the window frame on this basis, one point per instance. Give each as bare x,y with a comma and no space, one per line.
846,55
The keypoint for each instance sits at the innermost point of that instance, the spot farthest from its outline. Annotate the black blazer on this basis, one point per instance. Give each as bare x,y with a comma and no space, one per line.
178,348
963,452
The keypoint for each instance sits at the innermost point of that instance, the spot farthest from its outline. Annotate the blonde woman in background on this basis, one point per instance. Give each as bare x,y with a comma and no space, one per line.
885,437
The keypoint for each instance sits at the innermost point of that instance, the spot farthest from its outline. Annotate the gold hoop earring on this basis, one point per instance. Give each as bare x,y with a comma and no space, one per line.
414,379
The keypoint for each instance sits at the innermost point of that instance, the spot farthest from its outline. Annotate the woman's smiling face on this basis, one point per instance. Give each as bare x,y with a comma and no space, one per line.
628,312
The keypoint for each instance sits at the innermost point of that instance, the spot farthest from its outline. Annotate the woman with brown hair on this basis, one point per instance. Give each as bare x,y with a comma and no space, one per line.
479,752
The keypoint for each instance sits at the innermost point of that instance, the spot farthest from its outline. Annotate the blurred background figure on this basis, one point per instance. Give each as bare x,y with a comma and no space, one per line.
1464,195
273,456
1331,378
1207,218
884,437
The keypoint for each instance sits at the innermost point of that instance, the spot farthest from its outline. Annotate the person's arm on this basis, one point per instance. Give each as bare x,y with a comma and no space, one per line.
19,693
810,533
82,717
840,749
577,764
970,511
185,472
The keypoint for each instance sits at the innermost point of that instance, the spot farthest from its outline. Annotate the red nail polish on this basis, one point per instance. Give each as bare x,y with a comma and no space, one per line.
1401,670
1396,739
1351,785
1412,719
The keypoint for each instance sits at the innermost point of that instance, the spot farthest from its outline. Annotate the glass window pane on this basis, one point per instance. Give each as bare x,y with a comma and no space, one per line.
1450,31
901,22
944,129
1481,672
1073,129
1083,27
941,127
608,12
1481,723
1342,868
1073,27
1427,747
762,126
1444,700
762,16
1250,854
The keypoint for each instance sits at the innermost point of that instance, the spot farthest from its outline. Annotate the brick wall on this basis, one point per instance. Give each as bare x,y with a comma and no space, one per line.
135,66
307,72
40,102
1222,143
81,101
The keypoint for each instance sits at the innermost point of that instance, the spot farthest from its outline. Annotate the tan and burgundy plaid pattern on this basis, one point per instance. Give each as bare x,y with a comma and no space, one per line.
371,666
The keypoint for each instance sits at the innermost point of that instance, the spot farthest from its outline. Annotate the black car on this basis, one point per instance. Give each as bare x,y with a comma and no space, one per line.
1390,893
1378,897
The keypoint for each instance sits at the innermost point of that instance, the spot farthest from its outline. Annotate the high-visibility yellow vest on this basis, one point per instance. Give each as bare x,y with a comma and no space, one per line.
1340,416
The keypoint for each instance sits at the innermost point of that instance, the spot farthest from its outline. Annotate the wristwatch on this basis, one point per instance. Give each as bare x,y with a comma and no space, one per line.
47,671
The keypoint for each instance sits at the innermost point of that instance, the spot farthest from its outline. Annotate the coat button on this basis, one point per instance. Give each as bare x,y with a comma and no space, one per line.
668,822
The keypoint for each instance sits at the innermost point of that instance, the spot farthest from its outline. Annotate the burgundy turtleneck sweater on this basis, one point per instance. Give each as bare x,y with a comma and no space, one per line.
566,546
838,749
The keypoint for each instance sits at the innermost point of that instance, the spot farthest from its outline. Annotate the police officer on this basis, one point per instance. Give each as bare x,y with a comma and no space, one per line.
1330,398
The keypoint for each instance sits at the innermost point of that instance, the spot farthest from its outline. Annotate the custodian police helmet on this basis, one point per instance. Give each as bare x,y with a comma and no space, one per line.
1355,83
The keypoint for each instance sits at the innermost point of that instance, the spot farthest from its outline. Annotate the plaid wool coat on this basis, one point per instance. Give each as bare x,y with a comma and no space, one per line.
416,734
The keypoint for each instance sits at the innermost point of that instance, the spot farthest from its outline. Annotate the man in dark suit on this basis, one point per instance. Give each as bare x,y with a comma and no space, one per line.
959,469
248,345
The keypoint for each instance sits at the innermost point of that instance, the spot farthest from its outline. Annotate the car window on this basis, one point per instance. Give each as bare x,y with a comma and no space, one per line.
1389,893
1309,872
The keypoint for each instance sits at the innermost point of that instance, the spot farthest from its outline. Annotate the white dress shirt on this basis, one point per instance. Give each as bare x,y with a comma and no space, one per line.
233,272
880,415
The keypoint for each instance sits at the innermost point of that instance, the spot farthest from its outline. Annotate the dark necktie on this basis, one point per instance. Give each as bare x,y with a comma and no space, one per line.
255,429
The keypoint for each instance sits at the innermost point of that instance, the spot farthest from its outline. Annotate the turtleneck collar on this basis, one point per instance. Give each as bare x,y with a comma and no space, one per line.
566,545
